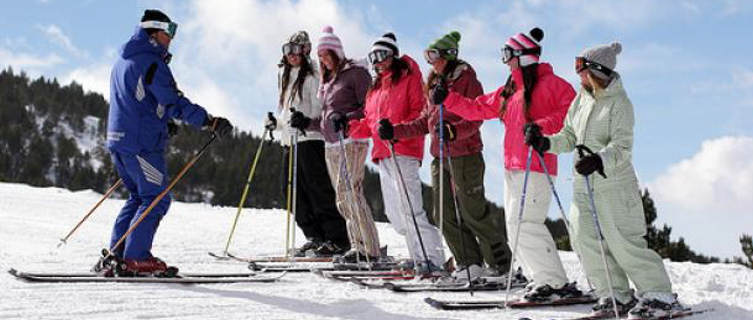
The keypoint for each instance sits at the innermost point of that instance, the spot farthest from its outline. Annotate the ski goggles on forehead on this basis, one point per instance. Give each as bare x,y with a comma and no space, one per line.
508,53
432,55
168,27
378,56
292,48
583,64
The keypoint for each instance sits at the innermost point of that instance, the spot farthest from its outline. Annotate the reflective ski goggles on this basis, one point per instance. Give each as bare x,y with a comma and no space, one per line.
378,56
583,64
432,55
170,28
292,48
508,52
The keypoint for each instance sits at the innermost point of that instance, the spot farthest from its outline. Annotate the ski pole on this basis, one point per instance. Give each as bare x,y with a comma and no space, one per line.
559,205
290,187
105,196
441,168
581,148
161,195
410,205
517,229
245,190
353,195
295,193
458,218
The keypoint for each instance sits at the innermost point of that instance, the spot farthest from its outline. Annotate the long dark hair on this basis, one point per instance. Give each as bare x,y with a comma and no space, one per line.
328,75
306,70
397,67
449,69
530,78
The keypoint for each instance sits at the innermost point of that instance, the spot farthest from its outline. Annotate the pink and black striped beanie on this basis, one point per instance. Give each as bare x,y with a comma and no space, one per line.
527,41
329,41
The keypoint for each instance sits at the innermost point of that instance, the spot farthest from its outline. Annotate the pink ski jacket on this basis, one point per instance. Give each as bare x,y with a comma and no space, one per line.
550,101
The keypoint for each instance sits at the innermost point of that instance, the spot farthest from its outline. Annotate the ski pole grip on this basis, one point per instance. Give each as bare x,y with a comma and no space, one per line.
581,149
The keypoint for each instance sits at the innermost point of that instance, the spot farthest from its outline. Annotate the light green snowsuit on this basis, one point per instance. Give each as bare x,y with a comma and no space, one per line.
605,125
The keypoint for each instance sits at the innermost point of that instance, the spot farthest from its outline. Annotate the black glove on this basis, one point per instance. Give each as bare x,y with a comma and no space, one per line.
535,139
172,128
219,126
439,93
271,123
386,130
449,131
340,121
299,121
587,164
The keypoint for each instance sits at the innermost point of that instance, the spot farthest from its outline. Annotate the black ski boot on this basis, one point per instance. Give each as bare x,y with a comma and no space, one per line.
652,308
545,293
311,245
604,307
329,249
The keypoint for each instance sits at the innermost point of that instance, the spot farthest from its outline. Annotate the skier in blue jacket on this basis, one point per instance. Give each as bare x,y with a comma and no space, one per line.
143,98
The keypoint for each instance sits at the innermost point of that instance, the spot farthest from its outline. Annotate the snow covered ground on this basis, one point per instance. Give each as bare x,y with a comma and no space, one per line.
33,219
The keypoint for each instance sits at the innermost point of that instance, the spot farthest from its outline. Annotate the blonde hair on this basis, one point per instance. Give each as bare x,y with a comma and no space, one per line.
598,84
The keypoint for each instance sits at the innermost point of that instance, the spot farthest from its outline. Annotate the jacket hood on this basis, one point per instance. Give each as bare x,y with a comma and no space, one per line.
141,42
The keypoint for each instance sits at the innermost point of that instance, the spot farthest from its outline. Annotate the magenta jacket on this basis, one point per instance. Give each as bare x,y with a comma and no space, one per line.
550,101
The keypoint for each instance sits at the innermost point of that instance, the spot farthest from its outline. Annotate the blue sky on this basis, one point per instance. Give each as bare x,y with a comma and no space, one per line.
685,65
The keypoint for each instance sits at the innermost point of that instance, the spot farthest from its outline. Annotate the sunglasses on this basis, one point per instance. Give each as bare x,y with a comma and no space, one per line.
378,56
508,53
431,55
583,64
292,48
170,28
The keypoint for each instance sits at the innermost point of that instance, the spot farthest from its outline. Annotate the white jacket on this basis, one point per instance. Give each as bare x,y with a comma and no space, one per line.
307,103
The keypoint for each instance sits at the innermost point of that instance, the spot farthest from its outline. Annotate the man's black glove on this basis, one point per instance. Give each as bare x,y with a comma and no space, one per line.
535,139
386,130
219,126
449,131
439,93
299,121
589,163
271,123
339,121
172,128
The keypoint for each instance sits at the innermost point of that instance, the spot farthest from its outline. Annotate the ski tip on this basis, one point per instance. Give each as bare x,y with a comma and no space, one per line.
13,271
434,303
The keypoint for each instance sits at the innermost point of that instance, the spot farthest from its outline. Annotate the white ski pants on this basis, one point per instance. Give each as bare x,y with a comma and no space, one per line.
398,211
536,250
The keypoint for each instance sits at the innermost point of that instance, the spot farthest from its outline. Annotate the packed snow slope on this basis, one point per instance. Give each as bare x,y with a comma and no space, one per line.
32,220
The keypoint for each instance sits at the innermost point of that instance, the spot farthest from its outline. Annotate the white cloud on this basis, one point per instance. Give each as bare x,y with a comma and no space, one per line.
57,36
713,189
21,60
95,78
742,78
235,62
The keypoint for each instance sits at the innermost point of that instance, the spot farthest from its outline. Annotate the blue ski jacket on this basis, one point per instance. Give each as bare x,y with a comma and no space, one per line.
143,96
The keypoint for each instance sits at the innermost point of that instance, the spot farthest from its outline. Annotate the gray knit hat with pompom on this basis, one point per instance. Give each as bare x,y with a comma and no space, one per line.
605,55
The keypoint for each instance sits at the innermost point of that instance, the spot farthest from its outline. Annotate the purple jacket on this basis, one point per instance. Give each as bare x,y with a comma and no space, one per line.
345,94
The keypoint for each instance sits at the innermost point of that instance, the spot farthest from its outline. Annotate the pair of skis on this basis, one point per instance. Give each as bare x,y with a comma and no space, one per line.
521,304
182,278
400,281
